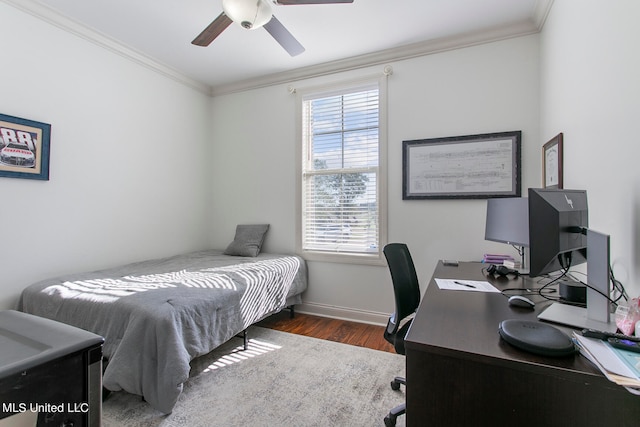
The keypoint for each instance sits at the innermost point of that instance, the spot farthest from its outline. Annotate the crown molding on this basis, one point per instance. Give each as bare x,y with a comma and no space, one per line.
45,13
541,12
429,47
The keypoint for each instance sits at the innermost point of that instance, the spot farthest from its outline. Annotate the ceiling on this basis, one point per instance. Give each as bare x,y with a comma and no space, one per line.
336,36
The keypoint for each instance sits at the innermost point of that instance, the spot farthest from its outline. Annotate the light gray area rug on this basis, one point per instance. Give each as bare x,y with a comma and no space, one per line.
281,380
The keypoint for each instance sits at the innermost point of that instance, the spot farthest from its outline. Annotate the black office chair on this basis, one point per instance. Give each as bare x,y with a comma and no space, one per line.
407,298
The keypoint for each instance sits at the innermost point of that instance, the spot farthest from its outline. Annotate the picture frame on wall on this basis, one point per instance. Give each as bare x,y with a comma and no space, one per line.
552,159
24,148
462,167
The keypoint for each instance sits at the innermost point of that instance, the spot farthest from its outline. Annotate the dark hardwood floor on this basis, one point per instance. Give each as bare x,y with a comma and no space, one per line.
354,333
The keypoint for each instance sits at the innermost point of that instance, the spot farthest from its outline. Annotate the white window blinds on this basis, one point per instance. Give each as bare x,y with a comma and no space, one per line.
340,172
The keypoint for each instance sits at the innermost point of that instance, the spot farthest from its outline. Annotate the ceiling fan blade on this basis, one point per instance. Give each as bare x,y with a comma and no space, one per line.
292,2
213,30
284,37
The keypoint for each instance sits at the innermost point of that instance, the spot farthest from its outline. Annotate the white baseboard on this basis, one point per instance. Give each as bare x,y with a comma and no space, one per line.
343,313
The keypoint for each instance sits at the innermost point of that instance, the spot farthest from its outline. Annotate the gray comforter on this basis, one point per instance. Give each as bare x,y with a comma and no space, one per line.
156,316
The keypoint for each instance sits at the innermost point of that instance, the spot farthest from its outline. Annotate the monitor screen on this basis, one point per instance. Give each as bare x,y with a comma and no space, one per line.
558,220
508,221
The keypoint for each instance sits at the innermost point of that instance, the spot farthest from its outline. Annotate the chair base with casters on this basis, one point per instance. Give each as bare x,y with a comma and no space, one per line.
397,340
395,384
390,419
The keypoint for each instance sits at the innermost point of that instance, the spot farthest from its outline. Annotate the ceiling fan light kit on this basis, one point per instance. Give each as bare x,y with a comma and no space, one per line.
252,14
248,14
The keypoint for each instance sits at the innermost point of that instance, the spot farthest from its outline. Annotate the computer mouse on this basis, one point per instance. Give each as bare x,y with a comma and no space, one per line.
521,301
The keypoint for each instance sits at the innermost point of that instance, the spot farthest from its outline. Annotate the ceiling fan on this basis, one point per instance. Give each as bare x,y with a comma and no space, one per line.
251,14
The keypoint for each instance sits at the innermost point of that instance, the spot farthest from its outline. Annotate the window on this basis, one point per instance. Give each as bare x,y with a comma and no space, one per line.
342,208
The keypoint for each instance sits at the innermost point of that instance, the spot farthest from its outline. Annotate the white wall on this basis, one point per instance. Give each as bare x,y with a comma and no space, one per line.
129,150
483,89
590,91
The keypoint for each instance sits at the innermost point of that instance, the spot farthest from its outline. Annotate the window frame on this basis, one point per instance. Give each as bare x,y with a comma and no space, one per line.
373,258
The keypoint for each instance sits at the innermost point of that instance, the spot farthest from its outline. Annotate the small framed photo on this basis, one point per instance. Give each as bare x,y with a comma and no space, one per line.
552,163
24,148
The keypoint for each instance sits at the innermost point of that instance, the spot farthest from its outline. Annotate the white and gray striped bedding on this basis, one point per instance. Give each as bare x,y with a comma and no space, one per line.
157,315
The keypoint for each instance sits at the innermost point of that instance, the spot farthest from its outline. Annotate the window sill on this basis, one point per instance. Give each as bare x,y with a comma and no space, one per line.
344,258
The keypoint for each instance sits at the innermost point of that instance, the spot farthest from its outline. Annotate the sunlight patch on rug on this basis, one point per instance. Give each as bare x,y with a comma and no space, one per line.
239,354
282,379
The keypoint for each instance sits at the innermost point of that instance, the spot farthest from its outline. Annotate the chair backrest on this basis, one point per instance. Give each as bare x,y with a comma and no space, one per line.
406,289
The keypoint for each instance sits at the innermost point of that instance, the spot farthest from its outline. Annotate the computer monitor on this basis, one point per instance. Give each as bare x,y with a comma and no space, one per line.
508,221
559,238
558,222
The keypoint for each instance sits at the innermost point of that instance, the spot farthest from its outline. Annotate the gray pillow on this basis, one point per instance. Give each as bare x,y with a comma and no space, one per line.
248,240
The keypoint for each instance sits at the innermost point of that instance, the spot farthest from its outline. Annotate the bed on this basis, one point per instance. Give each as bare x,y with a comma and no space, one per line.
158,315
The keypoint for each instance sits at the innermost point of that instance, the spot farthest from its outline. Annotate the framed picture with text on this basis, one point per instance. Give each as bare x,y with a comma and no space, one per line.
552,163
462,167
24,148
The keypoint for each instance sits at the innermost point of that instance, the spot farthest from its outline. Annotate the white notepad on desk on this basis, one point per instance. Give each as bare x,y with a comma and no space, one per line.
465,285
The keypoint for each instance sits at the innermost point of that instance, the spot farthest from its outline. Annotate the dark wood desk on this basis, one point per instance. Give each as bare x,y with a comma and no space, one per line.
461,373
